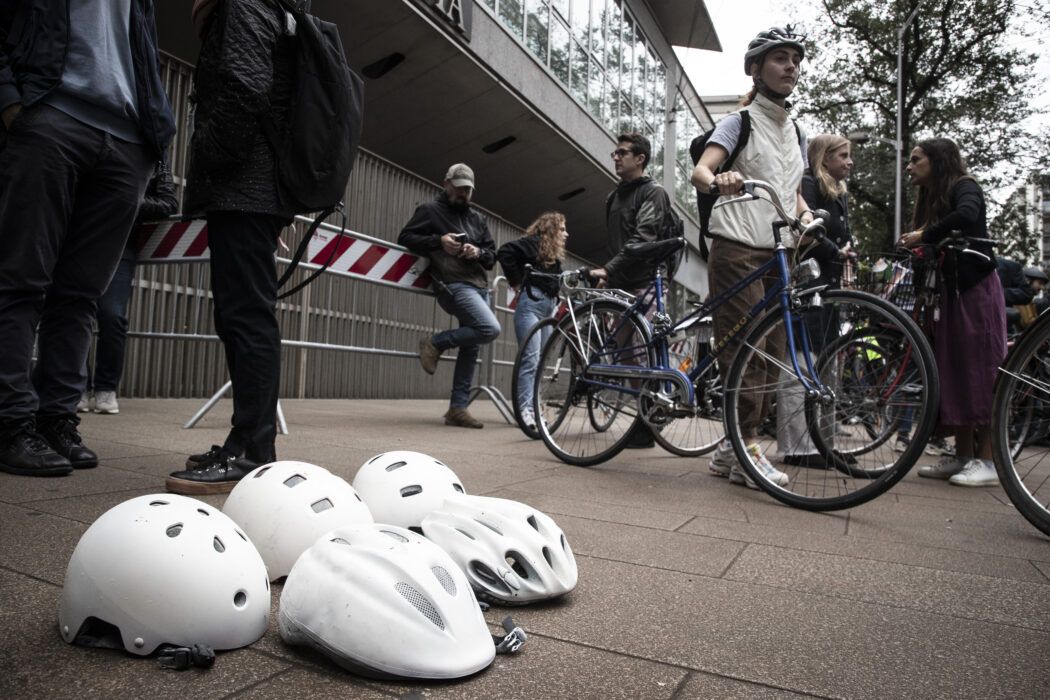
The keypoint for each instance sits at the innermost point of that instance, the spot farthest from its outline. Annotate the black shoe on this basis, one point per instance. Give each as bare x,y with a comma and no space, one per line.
62,435
23,451
218,478
814,461
640,440
208,459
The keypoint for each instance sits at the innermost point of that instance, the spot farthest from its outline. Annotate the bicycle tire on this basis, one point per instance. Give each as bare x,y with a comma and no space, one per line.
762,359
1022,464
699,432
515,378
565,401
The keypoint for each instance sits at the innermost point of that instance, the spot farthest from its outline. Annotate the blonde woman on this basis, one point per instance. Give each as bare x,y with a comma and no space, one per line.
543,247
824,187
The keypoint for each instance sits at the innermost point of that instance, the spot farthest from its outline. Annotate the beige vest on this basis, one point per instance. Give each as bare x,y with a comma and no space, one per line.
772,154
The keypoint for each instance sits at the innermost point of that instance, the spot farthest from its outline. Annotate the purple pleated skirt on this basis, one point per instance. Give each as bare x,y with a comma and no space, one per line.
969,343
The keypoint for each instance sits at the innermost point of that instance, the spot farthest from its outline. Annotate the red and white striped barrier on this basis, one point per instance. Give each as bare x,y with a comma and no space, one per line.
353,254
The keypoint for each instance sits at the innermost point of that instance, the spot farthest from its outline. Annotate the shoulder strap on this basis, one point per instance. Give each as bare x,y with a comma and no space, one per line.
741,142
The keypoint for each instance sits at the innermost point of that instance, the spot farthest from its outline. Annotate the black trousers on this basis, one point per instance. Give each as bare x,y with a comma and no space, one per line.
244,287
68,198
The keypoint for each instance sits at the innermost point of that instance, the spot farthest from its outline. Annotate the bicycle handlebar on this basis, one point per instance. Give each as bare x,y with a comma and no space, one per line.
814,229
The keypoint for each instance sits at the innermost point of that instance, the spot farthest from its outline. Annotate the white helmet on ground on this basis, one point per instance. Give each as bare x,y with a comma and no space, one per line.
164,569
512,553
285,506
384,602
401,487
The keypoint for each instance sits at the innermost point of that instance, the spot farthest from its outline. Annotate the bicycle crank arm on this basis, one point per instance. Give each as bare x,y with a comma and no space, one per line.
643,373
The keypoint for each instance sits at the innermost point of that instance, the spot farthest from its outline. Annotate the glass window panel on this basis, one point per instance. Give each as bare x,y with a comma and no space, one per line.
491,4
579,72
513,15
581,21
641,87
562,6
536,37
626,55
658,89
560,50
612,38
596,91
684,191
626,122
656,170
599,37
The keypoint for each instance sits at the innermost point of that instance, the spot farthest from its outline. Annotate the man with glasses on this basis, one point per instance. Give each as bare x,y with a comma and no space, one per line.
634,213
456,239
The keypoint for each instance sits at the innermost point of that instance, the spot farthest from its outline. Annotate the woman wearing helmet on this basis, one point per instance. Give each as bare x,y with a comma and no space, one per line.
775,152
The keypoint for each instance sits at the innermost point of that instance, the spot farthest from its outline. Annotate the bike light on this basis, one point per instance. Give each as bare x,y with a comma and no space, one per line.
806,271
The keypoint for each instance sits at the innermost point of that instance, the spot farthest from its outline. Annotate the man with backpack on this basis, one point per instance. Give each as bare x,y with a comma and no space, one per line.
637,211
243,87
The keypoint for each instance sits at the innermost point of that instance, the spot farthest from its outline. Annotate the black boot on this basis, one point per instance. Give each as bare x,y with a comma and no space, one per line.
62,435
23,451
217,478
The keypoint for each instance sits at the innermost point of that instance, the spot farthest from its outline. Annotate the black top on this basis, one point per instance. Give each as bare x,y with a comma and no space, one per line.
966,213
633,218
838,231
432,220
515,255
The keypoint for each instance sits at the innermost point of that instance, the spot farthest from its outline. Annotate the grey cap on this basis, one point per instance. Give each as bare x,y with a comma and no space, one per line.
460,175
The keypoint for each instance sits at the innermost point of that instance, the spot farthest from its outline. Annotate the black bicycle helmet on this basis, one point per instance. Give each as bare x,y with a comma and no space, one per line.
770,39
1036,273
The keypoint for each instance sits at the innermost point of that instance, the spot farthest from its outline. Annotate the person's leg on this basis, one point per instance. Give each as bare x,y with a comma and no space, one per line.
244,286
527,313
112,320
478,325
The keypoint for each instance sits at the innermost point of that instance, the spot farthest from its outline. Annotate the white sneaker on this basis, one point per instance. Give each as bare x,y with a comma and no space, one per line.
945,469
900,444
977,472
739,476
528,418
84,405
724,459
106,402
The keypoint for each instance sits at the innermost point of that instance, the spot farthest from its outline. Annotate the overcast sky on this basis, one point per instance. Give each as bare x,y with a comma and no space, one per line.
713,73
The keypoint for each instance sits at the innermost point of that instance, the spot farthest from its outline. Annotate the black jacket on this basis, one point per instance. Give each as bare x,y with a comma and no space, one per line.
1016,290
826,252
628,221
432,220
966,213
243,77
515,255
33,41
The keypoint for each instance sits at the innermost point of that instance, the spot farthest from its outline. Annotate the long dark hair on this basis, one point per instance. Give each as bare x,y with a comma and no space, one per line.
947,167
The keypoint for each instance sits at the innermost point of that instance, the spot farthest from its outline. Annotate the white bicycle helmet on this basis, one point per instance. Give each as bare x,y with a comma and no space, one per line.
401,487
164,569
285,506
384,602
511,553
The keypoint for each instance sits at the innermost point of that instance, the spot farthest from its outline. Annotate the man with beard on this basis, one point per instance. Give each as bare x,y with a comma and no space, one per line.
461,251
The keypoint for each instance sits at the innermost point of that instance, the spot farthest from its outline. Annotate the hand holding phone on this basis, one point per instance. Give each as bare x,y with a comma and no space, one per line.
459,237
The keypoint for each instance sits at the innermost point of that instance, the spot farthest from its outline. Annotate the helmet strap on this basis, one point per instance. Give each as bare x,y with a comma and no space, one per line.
769,92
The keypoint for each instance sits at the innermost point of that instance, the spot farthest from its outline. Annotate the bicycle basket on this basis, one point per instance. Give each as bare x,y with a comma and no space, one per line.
890,276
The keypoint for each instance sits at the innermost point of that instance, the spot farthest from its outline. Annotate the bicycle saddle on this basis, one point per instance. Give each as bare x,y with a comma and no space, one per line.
656,251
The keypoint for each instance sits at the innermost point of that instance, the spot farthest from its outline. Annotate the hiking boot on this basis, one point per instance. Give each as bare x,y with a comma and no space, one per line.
944,469
106,402
737,475
977,472
217,478
461,417
62,436
84,405
723,460
428,355
207,459
23,451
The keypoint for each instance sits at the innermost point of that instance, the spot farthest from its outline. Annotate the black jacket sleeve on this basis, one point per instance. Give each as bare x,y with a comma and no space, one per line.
649,218
421,234
159,201
966,215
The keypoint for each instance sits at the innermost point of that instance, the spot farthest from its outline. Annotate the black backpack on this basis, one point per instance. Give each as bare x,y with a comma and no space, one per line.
705,201
316,152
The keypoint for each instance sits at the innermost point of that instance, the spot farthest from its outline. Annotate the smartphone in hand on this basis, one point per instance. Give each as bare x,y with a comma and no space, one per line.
460,237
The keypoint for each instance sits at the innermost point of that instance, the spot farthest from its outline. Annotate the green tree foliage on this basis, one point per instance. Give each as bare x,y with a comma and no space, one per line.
966,77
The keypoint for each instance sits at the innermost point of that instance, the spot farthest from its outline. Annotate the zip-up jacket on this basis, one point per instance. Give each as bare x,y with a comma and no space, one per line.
34,40
432,220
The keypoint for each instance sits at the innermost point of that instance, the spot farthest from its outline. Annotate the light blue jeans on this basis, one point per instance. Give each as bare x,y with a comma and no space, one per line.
526,314
477,326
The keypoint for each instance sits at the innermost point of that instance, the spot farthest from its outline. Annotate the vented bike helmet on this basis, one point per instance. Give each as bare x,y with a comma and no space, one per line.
384,602
285,506
401,487
511,553
766,41
164,569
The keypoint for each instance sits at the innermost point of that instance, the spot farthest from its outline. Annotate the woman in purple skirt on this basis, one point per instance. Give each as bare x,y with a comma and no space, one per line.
970,332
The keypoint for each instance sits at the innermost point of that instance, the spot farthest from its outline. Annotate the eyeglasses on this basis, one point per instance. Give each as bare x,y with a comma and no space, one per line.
621,153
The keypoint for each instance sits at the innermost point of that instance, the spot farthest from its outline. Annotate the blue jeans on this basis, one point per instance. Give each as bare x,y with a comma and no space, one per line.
527,313
112,318
477,326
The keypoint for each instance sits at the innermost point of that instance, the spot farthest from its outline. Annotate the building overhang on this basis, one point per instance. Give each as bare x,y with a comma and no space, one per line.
686,23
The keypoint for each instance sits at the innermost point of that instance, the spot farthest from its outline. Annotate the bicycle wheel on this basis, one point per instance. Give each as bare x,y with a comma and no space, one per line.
832,463
535,334
587,420
697,429
1019,436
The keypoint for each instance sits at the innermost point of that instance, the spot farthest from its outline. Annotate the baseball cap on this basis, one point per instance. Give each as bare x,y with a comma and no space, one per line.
460,175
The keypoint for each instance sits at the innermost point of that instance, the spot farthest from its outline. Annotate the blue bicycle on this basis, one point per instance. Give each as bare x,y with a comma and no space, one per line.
813,363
